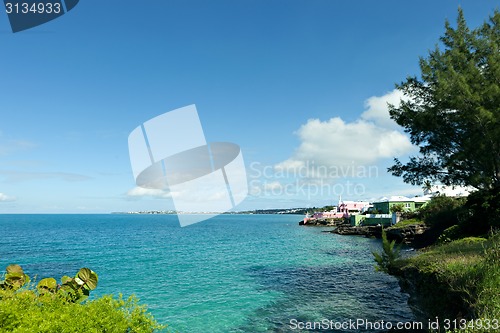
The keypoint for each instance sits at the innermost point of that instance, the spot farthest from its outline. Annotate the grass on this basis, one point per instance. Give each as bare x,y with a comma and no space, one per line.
460,278
470,246
405,223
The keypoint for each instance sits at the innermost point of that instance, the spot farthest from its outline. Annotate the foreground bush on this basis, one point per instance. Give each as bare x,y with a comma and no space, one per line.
26,312
58,308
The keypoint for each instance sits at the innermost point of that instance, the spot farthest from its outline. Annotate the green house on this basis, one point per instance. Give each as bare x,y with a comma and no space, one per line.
384,205
371,220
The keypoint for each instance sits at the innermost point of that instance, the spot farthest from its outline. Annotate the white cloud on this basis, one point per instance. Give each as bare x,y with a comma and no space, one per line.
138,192
272,186
189,196
362,142
377,109
6,198
185,194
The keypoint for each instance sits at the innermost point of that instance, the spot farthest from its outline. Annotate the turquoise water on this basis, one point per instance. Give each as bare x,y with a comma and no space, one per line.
232,273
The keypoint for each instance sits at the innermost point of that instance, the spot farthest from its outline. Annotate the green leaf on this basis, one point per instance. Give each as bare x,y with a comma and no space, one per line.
71,283
16,280
65,279
87,278
14,269
47,284
66,292
14,277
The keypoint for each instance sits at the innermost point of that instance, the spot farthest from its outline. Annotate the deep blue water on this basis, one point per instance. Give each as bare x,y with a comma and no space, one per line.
232,273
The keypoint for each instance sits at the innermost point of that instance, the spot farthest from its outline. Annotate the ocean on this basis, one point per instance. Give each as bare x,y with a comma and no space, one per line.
229,274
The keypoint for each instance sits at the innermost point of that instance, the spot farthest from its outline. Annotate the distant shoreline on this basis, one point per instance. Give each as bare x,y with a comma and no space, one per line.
289,211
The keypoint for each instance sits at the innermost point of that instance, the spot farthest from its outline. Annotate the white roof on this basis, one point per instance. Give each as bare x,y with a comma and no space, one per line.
400,198
394,198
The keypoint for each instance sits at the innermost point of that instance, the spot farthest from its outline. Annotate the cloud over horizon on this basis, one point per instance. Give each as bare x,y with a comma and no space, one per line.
138,192
6,198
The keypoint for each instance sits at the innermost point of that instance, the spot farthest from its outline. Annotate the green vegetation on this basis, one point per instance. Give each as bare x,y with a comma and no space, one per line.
449,218
458,274
482,211
14,278
386,259
449,234
457,279
405,223
51,307
451,112
371,210
442,212
398,208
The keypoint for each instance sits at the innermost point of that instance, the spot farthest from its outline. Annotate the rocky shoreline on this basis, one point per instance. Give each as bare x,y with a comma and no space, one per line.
407,234
323,222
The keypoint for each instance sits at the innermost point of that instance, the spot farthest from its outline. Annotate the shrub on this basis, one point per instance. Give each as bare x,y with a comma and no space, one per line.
390,253
452,233
397,208
26,312
483,209
442,212
75,289
51,307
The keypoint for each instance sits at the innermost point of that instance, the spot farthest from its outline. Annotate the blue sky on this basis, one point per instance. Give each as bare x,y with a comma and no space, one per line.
294,83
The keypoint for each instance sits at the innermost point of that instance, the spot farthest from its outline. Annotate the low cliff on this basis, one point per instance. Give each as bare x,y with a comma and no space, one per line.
457,281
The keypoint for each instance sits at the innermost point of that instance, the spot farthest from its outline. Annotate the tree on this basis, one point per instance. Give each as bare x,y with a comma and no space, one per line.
427,187
452,112
397,208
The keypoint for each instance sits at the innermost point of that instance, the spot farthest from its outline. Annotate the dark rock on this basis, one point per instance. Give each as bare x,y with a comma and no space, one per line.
406,234
323,222
367,231
430,296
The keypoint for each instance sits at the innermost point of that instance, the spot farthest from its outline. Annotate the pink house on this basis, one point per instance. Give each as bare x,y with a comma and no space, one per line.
344,209
348,208
327,215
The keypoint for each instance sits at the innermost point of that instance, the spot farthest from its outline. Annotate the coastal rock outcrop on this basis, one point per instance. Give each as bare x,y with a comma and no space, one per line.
405,234
322,222
367,231
429,296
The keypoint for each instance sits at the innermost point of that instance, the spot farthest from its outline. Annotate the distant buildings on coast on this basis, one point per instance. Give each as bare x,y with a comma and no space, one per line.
382,211
287,211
